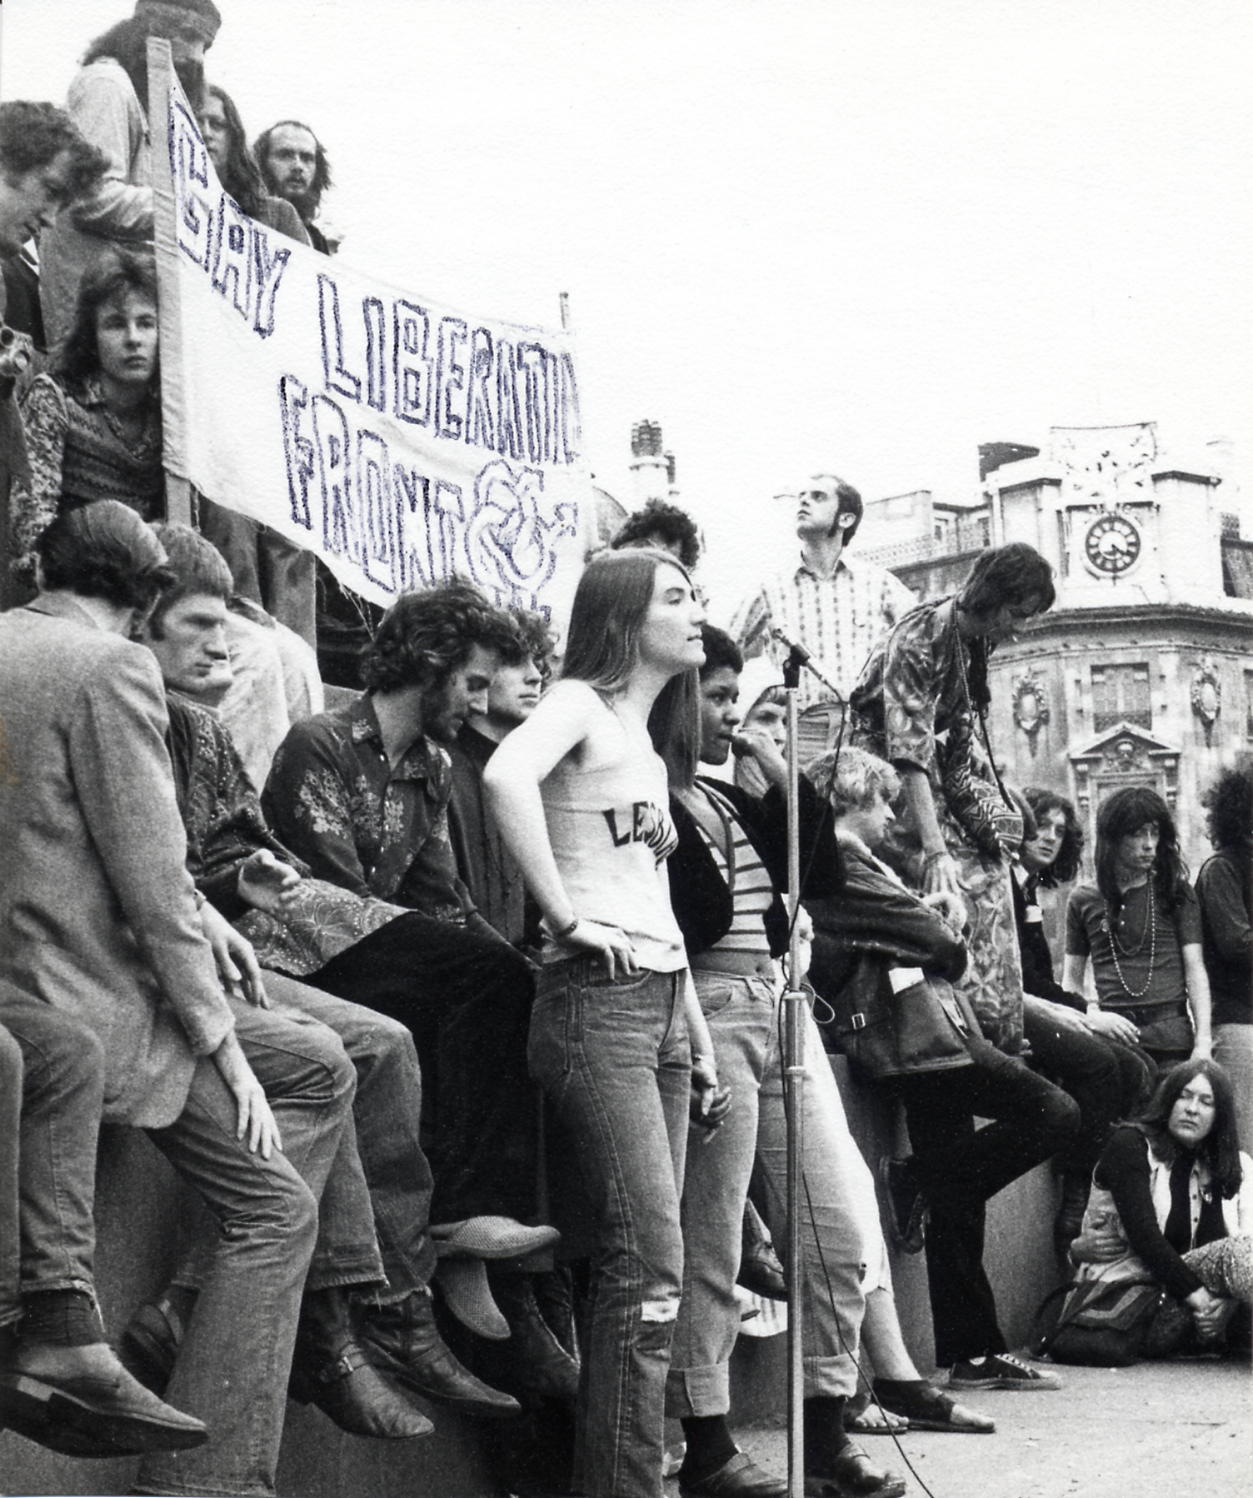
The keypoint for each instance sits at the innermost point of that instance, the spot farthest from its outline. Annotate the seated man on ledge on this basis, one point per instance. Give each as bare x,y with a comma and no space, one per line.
296,925
101,922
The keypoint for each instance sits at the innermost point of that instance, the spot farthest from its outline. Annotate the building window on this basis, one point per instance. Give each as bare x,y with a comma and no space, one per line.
1120,694
1248,706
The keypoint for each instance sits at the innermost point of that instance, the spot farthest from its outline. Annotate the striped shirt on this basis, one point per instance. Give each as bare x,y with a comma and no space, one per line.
752,890
838,620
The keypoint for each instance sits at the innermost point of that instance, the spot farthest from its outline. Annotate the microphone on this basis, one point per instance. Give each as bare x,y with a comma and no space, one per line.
799,652
799,656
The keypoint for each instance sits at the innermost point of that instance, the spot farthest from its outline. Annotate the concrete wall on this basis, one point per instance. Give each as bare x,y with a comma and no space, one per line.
139,1205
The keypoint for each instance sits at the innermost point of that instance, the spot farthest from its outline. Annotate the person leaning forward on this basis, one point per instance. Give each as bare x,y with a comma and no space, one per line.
101,923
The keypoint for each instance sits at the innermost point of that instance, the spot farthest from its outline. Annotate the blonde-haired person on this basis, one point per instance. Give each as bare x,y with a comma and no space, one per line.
618,1040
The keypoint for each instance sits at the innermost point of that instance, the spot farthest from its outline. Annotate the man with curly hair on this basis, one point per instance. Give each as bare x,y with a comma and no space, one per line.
664,527
361,795
1224,887
488,868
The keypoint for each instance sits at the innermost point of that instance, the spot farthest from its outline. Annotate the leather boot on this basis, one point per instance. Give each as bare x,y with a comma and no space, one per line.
554,1295
538,1363
331,1370
404,1340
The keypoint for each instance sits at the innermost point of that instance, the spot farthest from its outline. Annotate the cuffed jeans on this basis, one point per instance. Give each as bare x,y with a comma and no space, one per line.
960,1168
234,1360
51,1098
740,1011
466,1000
842,1242
613,1058
1107,1080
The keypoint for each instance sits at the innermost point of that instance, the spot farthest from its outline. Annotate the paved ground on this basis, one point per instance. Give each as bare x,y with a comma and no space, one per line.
1157,1430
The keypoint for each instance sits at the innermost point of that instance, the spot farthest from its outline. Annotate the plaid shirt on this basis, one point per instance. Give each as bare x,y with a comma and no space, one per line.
838,620
335,801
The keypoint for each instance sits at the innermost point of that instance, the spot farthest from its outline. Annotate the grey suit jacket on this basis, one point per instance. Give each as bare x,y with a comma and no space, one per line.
97,912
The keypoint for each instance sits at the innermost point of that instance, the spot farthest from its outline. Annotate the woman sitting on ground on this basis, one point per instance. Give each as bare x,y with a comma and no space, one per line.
1172,1202
93,425
1141,927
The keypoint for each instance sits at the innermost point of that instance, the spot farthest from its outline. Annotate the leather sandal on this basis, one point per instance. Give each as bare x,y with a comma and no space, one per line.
853,1475
928,1408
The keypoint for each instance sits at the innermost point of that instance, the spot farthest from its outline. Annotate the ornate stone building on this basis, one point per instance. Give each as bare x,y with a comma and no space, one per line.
1142,674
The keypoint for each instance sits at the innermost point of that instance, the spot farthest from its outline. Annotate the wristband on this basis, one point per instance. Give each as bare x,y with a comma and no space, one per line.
566,932
929,858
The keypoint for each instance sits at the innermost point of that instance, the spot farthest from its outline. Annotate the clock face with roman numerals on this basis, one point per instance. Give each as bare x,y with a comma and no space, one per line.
1112,544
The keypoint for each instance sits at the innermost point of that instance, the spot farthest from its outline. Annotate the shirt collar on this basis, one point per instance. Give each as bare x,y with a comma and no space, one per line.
842,561
419,761
92,393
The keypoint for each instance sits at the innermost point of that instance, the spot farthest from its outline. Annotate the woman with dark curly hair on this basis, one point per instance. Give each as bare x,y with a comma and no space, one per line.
1224,887
1172,1204
1109,1080
1141,926
93,425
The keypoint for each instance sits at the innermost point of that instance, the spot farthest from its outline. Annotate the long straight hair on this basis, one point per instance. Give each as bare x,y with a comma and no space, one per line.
603,649
1220,1149
1123,813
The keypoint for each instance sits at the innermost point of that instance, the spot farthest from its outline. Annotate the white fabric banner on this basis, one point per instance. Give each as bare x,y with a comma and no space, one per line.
401,439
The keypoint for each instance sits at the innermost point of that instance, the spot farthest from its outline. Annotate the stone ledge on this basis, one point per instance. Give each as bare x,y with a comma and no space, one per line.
139,1205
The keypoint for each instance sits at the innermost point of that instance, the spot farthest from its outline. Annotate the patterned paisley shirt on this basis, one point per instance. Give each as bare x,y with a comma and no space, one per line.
336,802
911,702
225,826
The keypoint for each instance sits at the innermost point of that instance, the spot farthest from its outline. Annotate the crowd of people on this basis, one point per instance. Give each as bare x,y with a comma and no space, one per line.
456,1004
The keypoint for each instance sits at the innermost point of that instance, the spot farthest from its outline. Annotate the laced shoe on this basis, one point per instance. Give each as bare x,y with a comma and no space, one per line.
1000,1370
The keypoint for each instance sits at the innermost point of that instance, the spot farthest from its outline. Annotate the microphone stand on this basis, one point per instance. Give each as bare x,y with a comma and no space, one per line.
794,1079
793,1098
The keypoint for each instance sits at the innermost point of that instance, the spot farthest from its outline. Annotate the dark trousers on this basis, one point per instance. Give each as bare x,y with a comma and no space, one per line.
960,1168
1108,1081
466,1000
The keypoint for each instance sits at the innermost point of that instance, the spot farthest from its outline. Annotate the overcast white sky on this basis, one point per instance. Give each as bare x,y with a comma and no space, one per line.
860,234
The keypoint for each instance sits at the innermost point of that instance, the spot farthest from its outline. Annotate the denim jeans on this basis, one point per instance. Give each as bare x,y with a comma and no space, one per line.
466,1000
233,1363
387,1117
960,1168
741,1014
613,1058
1233,1049
842,1242
51,1098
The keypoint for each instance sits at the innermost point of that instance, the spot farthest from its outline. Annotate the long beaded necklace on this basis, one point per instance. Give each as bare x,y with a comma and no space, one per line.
1149,927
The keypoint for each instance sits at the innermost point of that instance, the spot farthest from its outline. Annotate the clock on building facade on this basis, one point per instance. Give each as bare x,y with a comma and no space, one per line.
1112,544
